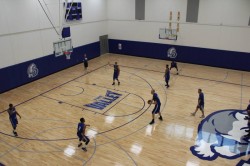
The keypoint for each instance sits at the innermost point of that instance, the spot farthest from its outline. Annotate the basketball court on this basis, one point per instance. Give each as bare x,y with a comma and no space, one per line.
119,130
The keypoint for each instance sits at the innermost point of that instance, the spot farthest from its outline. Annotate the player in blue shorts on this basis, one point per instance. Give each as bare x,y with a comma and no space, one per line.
174,65
167,76
116,73
248,118
157,108
81,134
13,119
200,104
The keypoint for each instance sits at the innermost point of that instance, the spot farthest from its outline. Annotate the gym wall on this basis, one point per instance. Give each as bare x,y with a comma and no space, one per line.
220,37
26,37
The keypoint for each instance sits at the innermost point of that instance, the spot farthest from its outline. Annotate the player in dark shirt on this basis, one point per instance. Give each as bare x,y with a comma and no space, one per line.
85,62
167,76
116,73
13,117
157,108
248,118
174,65
81,134
200,104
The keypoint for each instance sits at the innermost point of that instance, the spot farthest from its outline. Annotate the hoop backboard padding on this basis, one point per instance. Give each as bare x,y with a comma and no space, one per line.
61,46
66,32
168,34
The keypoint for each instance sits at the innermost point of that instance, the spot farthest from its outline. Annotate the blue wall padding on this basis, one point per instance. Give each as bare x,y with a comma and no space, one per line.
16,75
194,55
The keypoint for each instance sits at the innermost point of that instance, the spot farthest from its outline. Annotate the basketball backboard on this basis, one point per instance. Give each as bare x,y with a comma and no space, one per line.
168,34
62,46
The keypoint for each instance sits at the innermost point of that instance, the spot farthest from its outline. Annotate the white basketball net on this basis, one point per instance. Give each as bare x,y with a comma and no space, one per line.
67,54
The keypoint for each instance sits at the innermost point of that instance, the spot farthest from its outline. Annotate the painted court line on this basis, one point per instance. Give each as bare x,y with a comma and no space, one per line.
55,87
116,104
190,76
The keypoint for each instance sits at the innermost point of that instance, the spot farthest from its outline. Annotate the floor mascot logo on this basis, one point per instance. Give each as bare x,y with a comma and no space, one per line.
221,134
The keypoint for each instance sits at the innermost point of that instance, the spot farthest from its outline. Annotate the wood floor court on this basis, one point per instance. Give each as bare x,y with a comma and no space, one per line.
119,132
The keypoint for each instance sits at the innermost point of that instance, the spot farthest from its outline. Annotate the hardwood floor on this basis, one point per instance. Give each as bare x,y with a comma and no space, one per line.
119,131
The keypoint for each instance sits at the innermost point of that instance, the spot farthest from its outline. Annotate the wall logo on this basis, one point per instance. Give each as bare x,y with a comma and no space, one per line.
32,71
172,52
102,102
222,138
119,46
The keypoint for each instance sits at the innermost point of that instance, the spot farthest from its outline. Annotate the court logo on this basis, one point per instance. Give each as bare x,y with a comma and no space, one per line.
172,52
32,71
221,134
102,102
243,163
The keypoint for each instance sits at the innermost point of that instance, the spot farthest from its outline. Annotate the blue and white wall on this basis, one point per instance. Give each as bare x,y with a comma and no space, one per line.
26,37
220,38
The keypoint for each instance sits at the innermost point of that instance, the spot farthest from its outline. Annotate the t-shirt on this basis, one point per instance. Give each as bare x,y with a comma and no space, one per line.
156,98
85,60
201,98
167,73
80,127
12,112
116,69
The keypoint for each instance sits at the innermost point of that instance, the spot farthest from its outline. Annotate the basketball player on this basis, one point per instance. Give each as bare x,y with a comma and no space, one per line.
1,164
13,119
81,134
85,62
167,76
200,104
248,118
116,73
157,108
174,65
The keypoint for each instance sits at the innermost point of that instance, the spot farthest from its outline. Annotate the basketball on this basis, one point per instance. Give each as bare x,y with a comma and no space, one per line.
149,101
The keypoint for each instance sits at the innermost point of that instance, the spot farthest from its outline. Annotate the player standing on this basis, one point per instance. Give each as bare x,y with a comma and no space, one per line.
167,76
157,108
81,134
174,65
200,104
85,62
13,119
116,73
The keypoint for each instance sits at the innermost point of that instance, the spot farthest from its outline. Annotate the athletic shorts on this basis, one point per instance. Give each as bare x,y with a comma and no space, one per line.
80,136
200,106
157,108
115,75
83,138
86,64
13,122
173,66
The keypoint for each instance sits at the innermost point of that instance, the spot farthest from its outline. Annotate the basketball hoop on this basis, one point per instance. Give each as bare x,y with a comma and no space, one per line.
67,54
